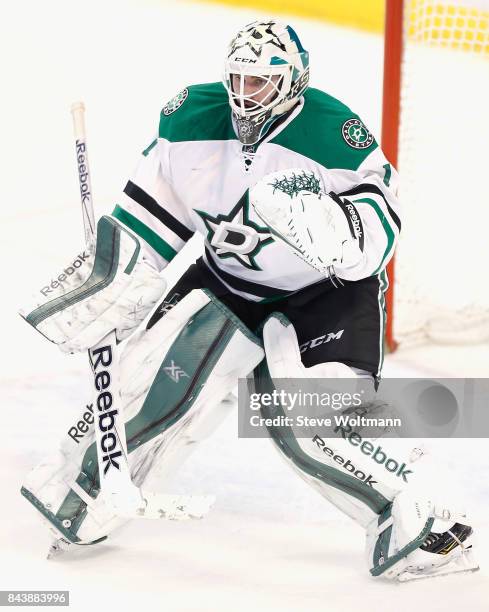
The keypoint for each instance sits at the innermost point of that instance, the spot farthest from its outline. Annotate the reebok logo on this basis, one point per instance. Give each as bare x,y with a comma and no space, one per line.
321,340
355,219
83,172
67,272
78,431
109,443
377,454
175,372
346,465
352,216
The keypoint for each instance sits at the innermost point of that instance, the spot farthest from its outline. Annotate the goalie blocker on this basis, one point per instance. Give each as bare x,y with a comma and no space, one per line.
109,286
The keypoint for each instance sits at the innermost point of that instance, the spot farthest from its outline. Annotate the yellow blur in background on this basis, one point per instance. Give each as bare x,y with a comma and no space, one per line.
364,14
444,23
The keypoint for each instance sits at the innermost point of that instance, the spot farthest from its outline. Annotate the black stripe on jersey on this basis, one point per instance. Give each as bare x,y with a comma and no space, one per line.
152,206
369,188
245,286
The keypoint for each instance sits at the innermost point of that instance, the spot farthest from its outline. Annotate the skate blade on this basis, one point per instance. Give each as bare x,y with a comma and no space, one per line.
465,564
57,548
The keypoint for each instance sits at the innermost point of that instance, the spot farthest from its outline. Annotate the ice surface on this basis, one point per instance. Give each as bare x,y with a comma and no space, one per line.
270,542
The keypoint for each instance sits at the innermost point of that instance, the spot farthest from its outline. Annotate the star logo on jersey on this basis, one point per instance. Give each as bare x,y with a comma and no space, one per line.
356,134
234,235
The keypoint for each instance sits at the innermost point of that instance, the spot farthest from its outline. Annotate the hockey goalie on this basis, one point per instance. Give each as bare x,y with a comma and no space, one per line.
297,207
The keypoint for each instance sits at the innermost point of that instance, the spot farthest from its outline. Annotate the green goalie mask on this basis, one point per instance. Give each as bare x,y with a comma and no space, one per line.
266,72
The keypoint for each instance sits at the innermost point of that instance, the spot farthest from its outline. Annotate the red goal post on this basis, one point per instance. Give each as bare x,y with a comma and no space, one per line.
390,120
436,133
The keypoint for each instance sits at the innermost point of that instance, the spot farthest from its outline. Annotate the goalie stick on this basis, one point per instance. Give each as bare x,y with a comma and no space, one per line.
126,499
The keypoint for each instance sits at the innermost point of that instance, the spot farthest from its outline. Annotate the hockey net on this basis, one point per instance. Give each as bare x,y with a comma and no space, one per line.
441,291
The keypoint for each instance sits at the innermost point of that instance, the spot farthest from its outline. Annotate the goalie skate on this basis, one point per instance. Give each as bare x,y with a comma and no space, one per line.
455,542
414,538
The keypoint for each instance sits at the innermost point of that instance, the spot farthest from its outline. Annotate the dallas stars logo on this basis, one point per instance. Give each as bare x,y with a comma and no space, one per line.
175,103
234,235
356,134
256,36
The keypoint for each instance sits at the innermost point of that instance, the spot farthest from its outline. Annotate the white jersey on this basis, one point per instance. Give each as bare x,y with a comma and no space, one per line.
195,177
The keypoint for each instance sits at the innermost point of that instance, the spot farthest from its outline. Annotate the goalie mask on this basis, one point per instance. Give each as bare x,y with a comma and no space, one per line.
266,72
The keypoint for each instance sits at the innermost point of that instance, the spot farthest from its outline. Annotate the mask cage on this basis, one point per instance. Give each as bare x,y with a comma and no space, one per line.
246,105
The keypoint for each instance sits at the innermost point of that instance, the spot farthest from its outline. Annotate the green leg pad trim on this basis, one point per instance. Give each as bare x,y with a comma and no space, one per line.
286,441
382,561
196,350
52,518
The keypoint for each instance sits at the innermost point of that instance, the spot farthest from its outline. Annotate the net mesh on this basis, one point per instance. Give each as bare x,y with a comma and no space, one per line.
442,260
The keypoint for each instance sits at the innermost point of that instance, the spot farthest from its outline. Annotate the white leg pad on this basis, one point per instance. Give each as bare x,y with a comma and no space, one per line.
174,381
